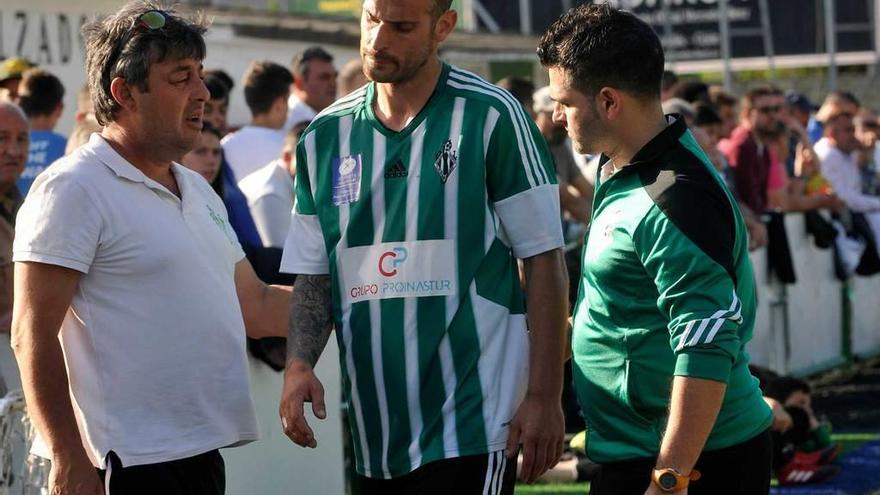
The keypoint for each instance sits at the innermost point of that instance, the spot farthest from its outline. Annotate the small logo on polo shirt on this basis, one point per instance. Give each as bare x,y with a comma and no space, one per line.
396,170
218,220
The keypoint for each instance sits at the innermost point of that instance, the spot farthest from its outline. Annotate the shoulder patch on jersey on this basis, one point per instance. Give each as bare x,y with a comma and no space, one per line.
685,191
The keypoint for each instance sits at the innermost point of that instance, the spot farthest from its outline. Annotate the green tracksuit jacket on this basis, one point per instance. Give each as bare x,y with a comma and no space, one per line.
667,290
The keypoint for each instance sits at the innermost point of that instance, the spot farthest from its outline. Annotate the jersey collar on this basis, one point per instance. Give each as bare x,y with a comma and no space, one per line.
414,124
666,139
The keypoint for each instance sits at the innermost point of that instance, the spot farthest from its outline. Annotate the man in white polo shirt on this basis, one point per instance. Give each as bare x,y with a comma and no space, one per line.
269,191
130,259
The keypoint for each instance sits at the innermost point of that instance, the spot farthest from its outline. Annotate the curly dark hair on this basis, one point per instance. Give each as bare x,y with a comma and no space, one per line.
598,46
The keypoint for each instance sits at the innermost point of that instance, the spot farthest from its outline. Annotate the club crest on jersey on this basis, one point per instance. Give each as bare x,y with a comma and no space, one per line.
445,160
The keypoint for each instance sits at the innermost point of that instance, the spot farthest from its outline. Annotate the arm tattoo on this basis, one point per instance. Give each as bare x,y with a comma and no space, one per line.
310,320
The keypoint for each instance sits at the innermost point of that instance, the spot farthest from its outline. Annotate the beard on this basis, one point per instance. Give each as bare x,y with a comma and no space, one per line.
396,70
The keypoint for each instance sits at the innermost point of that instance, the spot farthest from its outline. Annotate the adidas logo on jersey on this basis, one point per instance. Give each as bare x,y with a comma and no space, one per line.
395,170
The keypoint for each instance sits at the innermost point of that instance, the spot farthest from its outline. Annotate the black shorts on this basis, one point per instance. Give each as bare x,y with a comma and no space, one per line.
204,474
484,474
741,469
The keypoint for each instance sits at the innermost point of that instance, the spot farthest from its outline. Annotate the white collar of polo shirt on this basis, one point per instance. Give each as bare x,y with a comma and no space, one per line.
123,168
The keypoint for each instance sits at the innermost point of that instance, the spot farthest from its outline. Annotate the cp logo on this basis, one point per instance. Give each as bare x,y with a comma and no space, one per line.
394,258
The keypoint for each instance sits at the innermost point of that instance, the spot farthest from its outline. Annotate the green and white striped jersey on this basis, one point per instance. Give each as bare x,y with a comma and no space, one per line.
418,230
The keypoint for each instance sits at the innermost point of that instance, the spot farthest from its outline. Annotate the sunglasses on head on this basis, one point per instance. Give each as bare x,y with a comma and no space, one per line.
149,20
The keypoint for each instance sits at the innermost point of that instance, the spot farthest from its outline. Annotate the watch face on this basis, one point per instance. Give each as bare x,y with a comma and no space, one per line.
667,481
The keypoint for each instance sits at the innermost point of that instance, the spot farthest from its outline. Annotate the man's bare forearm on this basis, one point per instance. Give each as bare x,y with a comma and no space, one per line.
42,296
46,388
547,296
310,318
693,408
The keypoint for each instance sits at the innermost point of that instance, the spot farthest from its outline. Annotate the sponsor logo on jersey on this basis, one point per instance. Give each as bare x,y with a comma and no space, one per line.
398,269
446,159
396,170
390,260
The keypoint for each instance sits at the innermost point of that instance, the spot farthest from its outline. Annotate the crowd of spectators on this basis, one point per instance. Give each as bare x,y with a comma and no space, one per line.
776,151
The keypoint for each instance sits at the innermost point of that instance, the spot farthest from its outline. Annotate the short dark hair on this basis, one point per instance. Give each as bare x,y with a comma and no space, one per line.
752,95
39,93
221,75
598,46
299,66
264,83
521,88
440,7
693,92
721,98
706,115
782,388
218,89
206,127
116,47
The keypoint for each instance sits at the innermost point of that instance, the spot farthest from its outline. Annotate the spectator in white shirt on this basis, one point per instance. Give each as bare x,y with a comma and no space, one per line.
270,192
266,89
314,85
838,151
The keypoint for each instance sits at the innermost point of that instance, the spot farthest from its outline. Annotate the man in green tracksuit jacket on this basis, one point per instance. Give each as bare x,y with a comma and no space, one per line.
667,296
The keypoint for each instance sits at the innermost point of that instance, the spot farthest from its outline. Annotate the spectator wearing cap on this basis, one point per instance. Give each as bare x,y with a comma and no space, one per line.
41,97
11,71
800,109
575,193
314,85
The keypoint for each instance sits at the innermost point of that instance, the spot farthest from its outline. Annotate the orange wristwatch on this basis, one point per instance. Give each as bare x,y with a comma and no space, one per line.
671,481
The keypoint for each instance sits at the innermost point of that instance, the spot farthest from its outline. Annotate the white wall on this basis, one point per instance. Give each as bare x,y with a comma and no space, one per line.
815,311
813,308
274,464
